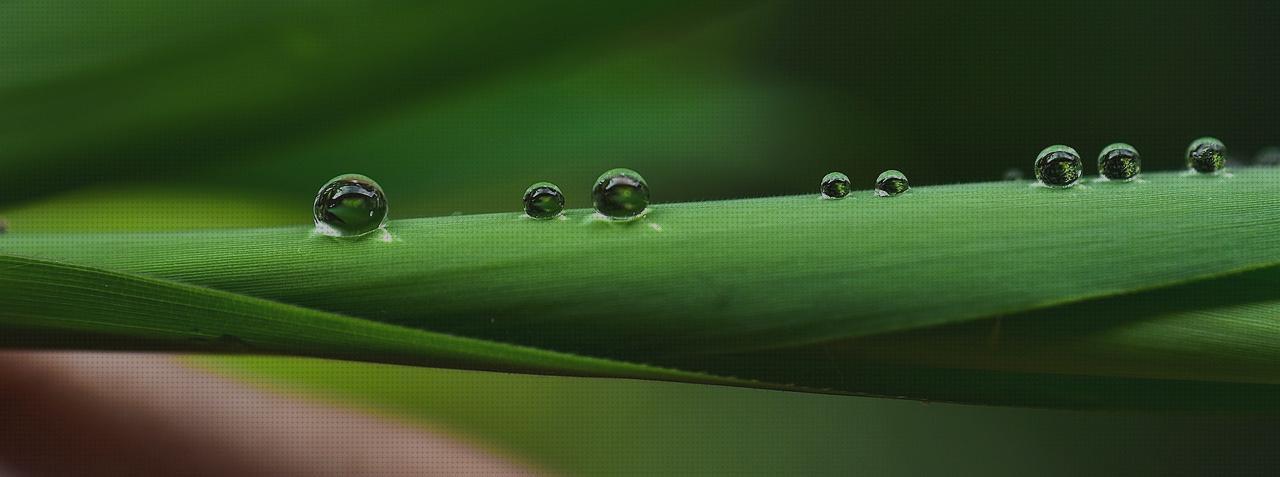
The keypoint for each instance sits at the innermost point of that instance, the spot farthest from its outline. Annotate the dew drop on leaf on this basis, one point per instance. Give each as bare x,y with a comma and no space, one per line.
349,205
620,194
891,183
1059,166
1119,162
1269,156
1206,155
836,185
543,201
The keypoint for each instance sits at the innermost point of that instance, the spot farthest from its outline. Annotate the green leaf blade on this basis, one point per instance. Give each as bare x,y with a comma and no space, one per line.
865,295
63,306
716,277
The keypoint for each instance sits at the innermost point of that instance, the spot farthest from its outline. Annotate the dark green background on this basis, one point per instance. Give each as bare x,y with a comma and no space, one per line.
459,106
173,115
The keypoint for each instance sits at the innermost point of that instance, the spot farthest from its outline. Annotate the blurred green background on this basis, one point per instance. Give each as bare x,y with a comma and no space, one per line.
457,106
145,115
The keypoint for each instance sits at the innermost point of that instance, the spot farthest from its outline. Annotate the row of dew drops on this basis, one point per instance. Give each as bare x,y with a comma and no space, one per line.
353,205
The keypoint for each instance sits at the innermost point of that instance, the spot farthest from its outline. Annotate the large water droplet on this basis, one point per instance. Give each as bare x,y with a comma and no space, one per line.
1059,166
621,194
891,183
1206,155
1269,156
349,205
836,185
543,201
1119,162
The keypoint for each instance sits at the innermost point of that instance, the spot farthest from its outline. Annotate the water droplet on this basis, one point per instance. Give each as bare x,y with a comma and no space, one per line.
621,194
1206,155
891,183
1269,156
350,205
1119,162
1014,174
1059,166
4,226
836,186
543,201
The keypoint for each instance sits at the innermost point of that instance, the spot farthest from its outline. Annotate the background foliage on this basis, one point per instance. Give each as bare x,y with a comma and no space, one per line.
130,115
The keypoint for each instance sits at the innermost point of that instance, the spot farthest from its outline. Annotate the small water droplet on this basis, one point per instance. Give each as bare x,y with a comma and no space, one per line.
349,205
543,201
1014,174
891,183
1268,156
1059,166
4,226
836,185
621,194
1119,162
1206,155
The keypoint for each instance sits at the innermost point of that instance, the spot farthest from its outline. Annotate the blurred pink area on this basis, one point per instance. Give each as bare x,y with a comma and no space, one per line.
143,414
